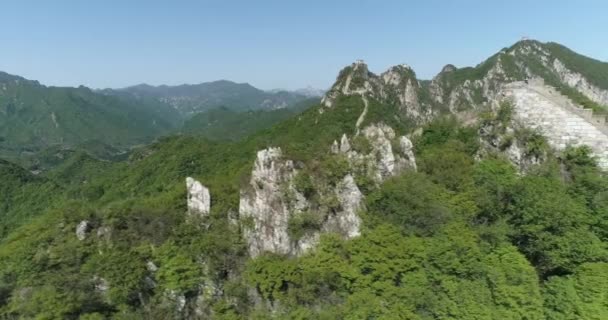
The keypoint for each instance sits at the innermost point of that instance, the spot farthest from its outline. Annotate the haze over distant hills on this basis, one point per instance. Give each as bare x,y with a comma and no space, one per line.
35,116
189,99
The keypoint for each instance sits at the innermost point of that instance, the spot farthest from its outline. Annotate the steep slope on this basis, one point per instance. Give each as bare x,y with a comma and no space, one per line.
191,99
22,196
349,210
554,90
580,78
397,86
225,124
33,116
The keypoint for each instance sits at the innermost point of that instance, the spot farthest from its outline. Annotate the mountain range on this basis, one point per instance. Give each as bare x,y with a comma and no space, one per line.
478,194
191,99
35,117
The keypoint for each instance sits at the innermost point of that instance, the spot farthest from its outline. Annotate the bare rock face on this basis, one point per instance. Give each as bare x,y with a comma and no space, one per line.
502,138
397,86
387,154
580,83
270,200
380,137
83,229
199,199
263,207
407,149
101,285
344,144
347,221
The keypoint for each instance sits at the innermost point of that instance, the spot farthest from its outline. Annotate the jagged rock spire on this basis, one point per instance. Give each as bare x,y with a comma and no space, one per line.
199,199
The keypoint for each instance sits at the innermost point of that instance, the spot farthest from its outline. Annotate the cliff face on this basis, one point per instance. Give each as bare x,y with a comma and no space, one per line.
264,207
199,199
271,202
272,207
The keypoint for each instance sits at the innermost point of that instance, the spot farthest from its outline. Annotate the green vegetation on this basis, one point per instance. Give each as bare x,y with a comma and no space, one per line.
301,224
594,70
191,99
225,124
35,117
467,236
459,239
488,244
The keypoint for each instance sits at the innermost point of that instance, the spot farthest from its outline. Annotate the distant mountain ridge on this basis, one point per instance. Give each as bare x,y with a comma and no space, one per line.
393,198
34,116
189,99
225,124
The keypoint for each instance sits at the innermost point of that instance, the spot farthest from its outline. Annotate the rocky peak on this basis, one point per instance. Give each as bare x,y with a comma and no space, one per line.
271,199
264,209
353,79
199,199
396,86
448,68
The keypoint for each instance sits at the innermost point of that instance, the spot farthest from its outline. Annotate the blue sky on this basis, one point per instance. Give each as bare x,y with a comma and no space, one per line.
274,44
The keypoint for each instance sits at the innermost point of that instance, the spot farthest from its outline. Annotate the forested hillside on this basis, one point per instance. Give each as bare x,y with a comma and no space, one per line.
393,198
226,124
34,117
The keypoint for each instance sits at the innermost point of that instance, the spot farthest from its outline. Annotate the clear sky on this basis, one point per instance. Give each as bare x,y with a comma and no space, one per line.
274,44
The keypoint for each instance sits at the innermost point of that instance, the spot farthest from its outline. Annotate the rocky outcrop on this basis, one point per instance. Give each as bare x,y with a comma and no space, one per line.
101,285
199,199
271,199
384,156
344,144
83,229
264,208
457,92
347,222
506,139
397,86
580,83
354,79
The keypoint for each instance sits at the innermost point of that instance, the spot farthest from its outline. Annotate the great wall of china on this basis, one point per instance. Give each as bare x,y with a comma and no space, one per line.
564,123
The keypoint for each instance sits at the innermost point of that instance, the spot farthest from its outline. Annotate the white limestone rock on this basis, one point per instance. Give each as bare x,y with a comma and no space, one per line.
347,221
104,233
199,199
398,85
344,144
264,205
335,148
407,149
151,266
83,229
177,299
270,200
380,136
366,82
384,159
580,83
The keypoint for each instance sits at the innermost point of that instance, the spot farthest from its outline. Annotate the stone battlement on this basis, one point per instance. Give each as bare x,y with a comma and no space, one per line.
563,122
